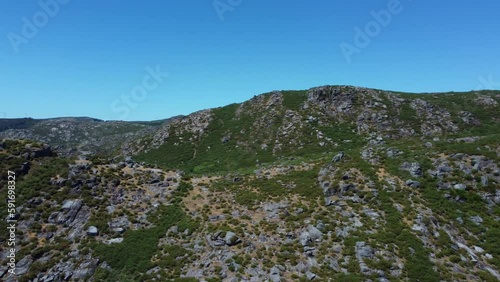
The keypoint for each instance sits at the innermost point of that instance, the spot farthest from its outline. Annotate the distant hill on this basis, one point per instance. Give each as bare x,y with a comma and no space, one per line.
71,134
16,123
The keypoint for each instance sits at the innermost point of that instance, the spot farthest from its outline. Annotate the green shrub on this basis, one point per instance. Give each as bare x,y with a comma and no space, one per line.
134,254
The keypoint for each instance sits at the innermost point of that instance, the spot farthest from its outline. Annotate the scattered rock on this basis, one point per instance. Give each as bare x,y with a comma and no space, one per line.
314,232
216,217
225,139
338,157
231,239
92,231
484,180
459,186
478,249
364,250
305,238
414,169
412,183
310,275
113,241
274,274
476,219
23,265
371,213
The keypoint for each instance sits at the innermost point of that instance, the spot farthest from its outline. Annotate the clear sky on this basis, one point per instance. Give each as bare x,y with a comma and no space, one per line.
110,59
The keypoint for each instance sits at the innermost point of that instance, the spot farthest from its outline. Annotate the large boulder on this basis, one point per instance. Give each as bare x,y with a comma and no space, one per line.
44,151
305,238
314,232
231,239
92,231
221,238
69,210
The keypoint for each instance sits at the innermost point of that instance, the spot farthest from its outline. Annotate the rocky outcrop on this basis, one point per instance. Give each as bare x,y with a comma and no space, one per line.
221,238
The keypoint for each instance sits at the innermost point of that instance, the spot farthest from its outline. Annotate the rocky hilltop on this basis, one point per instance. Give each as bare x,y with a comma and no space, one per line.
334,183
294,123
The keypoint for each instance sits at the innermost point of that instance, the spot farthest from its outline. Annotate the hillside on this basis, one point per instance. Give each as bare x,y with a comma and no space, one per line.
72,135
334,183
310,123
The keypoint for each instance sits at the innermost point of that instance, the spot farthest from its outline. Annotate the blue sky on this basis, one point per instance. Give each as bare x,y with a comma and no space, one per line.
95,58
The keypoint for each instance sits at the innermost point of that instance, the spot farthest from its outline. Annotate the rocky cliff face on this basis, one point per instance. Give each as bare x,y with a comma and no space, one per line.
335,182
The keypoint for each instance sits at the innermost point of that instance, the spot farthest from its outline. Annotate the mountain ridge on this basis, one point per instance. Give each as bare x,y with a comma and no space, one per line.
384,113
